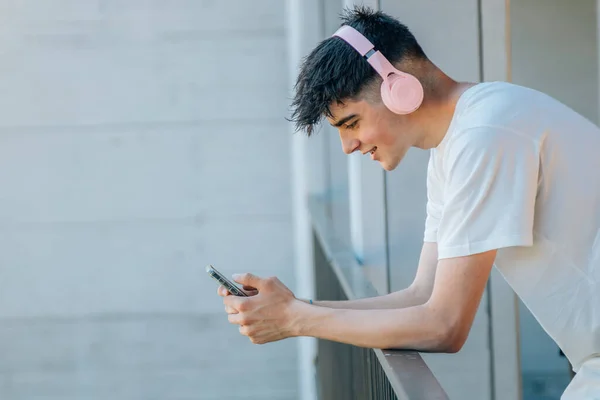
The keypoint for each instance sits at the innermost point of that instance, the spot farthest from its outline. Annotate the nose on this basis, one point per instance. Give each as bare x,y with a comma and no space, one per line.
350,145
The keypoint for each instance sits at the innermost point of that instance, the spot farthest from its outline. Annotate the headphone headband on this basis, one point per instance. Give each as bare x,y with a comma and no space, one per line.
355,39
366,49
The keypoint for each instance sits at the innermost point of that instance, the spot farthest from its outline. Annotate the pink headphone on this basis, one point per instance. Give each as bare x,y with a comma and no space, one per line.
402,93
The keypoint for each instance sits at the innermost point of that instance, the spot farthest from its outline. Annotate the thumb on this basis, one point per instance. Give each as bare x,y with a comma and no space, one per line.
248,279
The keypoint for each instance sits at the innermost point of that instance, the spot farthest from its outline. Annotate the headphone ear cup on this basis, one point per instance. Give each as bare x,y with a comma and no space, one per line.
402,93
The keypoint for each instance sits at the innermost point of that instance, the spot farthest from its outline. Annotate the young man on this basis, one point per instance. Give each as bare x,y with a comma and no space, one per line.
513,179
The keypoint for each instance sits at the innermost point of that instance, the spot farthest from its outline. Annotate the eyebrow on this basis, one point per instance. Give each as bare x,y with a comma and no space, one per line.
344,120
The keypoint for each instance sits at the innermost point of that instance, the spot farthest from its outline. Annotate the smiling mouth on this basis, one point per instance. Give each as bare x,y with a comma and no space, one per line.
372,151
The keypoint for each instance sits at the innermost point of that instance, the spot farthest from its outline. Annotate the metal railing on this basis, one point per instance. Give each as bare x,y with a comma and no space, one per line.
348,372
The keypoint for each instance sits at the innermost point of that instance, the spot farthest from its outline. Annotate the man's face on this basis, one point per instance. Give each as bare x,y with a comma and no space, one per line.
372,129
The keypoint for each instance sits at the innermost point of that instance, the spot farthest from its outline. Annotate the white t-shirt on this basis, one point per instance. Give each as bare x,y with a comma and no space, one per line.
520,172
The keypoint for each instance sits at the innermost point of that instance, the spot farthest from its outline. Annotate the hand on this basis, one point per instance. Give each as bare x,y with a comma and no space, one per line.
221,291
266,316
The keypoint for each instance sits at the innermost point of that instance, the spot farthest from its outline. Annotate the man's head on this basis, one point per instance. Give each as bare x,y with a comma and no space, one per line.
337,83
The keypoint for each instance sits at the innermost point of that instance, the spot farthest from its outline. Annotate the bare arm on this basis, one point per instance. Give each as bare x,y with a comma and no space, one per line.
441,324
416,294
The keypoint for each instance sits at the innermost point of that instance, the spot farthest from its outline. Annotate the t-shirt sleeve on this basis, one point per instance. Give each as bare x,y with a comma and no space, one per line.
491,180
434,202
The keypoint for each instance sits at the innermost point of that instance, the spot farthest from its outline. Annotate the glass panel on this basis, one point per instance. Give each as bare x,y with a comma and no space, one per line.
406,186
406,201
554,50
453,46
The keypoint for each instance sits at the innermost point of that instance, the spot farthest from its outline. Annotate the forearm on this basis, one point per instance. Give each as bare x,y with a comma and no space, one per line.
417,327
404,298
416,294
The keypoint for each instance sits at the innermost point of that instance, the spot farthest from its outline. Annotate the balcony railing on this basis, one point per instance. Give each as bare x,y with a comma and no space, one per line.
347,372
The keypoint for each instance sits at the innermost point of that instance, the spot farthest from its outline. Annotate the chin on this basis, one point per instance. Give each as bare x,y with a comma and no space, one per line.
388,166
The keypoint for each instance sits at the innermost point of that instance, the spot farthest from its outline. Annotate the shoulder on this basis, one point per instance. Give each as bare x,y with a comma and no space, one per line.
483,95
488,139
503,105
488,148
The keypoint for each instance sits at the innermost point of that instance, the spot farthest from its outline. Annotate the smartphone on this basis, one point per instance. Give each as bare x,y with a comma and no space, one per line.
230,286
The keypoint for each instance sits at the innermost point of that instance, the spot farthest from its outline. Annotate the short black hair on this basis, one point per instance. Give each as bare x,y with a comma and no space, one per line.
334,71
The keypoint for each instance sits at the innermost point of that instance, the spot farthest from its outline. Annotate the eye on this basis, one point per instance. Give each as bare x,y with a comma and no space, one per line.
352,125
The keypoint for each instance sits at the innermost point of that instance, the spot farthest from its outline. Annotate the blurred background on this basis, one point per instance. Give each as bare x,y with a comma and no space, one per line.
143,139
139,141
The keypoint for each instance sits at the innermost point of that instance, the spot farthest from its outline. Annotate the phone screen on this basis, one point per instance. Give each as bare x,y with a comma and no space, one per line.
230,286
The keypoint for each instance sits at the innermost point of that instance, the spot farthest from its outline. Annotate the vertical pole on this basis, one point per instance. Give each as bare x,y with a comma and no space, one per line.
503,304
304,30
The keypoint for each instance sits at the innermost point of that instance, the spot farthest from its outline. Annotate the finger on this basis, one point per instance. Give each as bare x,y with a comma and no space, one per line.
230,310
221,291
250,291
233,301
248,279
235,319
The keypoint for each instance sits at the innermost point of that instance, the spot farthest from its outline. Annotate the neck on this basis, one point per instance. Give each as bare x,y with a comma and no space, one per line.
436,112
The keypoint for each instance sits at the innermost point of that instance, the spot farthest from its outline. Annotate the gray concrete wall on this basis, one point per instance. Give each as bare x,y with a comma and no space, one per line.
554,49
139,141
